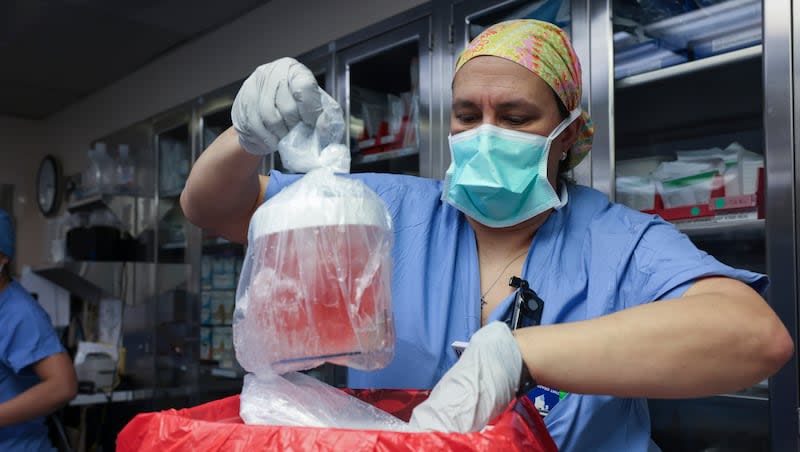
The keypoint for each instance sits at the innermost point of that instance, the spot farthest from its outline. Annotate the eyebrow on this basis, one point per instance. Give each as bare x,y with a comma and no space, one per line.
509,105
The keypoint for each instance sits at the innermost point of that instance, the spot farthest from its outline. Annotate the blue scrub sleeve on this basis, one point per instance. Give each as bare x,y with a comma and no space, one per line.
28,336
665,263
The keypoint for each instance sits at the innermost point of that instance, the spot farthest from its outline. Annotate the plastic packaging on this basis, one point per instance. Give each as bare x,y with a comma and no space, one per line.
98,178
701,23
305,148
686,183
216,426
126,171
295,399
315,285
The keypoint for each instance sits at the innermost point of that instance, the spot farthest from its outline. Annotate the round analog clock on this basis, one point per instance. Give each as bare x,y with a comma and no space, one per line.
48,186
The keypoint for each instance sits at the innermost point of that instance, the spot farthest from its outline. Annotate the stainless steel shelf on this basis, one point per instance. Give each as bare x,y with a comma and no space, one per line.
690,67
173,245
114,396
722,226
388,155
226,373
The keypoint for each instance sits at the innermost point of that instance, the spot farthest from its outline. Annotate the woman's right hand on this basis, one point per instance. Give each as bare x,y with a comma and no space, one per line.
272,101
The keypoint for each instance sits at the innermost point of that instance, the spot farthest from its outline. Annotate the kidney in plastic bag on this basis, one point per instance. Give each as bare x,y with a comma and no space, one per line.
316,281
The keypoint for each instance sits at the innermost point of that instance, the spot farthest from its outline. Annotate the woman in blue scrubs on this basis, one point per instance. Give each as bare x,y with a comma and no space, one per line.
504,209
36,374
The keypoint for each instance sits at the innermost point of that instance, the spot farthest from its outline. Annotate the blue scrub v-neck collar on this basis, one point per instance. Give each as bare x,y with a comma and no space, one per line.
540,248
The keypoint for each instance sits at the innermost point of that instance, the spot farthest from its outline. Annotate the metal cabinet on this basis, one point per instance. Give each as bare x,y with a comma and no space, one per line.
174,303
216,265
679,88
384,88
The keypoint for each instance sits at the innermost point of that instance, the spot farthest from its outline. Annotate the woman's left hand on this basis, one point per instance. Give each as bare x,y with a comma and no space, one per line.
477,388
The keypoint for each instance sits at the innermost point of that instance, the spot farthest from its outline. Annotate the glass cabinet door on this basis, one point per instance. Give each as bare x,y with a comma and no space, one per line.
384,92
473,16
220,265
688,124
688,145
175,363
173,161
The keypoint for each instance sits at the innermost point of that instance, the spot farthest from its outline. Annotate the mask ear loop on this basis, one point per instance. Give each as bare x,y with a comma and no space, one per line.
573,115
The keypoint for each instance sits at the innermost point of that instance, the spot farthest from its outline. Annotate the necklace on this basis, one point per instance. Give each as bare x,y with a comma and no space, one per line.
483,296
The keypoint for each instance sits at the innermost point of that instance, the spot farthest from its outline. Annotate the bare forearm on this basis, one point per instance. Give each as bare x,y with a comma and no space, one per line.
223,188
695,346
40,400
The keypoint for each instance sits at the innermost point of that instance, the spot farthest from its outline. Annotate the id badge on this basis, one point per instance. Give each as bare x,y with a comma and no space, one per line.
545,399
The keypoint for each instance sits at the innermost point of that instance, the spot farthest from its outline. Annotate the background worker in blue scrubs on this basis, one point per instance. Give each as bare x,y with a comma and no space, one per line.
36,374
505,209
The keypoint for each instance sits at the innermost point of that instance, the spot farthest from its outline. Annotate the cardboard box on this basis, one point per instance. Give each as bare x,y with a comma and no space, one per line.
222,348
206,308
206,341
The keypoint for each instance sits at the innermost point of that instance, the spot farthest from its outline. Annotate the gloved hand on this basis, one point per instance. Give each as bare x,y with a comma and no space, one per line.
477,388
275,98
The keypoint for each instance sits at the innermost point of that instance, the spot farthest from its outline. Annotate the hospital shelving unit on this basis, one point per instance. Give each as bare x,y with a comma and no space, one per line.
695,98
383,85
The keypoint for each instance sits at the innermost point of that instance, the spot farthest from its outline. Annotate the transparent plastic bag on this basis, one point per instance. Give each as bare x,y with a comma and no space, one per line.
305,148
315,284
295,399
315,287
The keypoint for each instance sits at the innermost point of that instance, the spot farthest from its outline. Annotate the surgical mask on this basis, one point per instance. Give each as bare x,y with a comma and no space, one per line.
498,176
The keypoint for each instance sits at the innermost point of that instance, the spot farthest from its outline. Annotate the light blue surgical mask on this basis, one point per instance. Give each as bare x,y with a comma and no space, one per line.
498,176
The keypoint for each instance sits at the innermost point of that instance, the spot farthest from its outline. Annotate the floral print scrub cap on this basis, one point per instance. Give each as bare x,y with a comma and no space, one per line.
545,50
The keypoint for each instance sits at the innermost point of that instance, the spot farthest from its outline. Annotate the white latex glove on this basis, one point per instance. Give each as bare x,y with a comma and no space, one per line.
275,98
477,388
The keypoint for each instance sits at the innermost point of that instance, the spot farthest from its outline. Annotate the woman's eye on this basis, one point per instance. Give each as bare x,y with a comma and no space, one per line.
515,120
466,118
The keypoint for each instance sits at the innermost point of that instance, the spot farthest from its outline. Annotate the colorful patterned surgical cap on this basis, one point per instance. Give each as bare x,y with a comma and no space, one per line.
545,50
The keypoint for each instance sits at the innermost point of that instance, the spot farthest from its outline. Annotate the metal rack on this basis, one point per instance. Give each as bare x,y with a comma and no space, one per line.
690,67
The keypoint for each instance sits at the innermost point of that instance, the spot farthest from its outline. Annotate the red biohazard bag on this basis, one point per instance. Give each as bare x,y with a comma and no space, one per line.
216,426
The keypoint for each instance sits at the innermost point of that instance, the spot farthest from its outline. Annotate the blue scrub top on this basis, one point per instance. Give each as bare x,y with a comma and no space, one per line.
590,258
27,337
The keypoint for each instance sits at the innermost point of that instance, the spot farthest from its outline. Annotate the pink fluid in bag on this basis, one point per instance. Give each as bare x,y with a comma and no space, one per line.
322,293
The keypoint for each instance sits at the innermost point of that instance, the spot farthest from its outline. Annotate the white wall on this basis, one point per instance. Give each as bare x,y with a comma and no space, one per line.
228,54
21,151
279,28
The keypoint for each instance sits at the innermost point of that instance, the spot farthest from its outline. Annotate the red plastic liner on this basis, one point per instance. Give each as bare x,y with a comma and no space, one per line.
216,426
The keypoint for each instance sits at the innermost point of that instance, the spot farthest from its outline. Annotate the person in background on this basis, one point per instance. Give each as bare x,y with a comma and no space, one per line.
36,373
632,309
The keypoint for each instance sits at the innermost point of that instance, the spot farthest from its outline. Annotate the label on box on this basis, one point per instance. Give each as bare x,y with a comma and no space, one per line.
206,308
206,268
222,304
229,265
222,349
228,303
218,265
224,281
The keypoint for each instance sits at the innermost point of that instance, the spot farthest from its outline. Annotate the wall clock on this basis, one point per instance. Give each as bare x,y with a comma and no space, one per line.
48,186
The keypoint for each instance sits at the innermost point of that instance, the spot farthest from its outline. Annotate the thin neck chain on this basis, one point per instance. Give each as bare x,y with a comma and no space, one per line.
483,296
